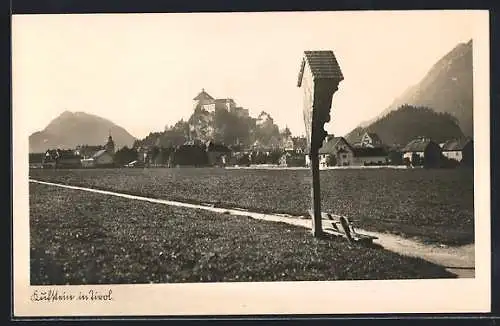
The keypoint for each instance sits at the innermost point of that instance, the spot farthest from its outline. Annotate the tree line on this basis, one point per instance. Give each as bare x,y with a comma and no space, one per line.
195,155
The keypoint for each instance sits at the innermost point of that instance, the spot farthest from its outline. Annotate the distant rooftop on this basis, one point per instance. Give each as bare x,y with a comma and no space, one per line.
330,143
99,153
418,144
203,96
455,144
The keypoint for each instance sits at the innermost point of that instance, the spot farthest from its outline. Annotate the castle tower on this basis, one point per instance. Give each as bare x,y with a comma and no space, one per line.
204,101
110,145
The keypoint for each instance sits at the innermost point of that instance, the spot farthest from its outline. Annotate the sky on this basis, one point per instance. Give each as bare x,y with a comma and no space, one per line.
142,71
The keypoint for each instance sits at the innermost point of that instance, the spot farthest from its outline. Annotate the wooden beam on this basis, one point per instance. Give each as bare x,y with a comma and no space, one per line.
316,228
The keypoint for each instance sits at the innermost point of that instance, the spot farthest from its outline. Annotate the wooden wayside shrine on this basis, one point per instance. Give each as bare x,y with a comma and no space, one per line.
319,78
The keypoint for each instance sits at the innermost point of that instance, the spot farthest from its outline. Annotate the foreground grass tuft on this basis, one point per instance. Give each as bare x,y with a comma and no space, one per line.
82,238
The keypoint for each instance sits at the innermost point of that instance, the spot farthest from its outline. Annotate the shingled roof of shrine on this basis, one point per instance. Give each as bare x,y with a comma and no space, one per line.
323,64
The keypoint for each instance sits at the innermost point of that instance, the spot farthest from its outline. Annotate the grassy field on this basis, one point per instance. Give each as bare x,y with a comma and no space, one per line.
82,238
435,206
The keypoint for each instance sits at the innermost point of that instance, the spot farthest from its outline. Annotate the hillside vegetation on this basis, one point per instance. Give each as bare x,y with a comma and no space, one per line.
408,122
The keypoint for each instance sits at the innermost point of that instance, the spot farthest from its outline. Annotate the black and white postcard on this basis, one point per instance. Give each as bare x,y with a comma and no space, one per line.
251,163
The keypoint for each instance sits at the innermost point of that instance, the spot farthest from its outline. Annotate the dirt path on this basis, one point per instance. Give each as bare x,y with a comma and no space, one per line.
458,260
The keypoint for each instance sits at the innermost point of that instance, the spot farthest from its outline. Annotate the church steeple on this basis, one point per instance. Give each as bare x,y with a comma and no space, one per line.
110,145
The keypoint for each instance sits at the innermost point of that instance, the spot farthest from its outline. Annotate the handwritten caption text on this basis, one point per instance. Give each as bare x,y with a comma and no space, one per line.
52,295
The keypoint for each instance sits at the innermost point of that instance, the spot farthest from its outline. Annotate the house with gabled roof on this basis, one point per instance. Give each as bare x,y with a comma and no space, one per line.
87,151
422,151
61,158
102,157
461,150
299,144
370,156
370,139
287,144
335,151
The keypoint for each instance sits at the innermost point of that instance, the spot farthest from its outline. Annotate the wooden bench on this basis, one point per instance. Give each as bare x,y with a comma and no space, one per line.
342,226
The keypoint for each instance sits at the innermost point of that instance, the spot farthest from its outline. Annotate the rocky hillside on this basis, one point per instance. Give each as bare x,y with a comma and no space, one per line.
446,88
221,126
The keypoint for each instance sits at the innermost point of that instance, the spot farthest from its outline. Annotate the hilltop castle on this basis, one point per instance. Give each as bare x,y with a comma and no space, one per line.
206,102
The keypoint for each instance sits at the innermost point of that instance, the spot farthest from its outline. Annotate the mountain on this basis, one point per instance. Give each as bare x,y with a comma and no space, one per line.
447,88
401,126
78,128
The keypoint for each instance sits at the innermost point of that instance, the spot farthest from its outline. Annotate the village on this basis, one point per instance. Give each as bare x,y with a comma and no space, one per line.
288,152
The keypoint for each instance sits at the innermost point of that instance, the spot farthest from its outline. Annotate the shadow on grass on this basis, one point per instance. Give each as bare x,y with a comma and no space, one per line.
45,270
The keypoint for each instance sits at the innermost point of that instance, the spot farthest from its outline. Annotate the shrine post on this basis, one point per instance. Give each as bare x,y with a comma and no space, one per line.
319,78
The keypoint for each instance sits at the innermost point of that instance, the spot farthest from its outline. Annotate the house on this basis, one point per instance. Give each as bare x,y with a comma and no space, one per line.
103,157
299,144
370,139
287,144
363,156
422,151
87,151
100,159
335,151
218,154
49,158
370,151
294,144
460,150
61,158
395,155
